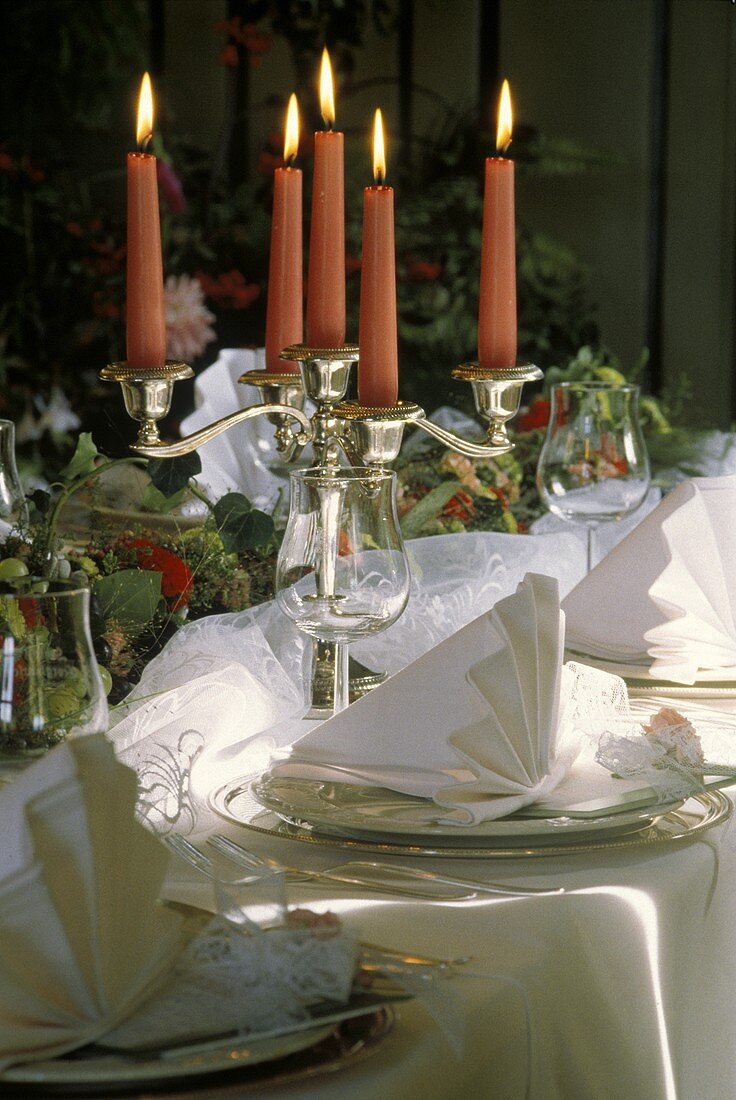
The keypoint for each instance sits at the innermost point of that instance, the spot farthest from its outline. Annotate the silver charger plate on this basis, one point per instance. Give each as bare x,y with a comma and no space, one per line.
266,1062
369,813
235,802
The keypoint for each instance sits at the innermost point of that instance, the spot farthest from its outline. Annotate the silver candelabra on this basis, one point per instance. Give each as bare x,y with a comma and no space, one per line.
365,436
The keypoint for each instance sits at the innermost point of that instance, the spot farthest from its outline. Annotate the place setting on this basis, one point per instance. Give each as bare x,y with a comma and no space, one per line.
545,782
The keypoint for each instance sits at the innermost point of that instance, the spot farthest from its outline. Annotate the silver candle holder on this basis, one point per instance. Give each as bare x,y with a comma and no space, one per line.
364,435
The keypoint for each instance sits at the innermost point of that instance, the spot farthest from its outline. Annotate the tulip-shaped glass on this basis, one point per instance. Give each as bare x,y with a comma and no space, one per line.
342,571
50,685
593,467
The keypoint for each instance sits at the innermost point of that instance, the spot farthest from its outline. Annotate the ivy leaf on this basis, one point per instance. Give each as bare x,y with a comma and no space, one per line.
428,508
240,525
82,461
153,500
41,501
129,597
171,475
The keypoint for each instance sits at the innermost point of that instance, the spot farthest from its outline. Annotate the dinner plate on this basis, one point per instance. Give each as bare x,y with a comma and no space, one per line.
234,801
282,1059
708,682
346,809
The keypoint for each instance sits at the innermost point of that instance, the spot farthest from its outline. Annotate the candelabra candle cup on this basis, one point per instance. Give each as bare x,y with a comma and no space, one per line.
593,467
342,572
147,393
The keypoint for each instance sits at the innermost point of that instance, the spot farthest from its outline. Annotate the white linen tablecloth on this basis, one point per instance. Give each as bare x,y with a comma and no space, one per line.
628,977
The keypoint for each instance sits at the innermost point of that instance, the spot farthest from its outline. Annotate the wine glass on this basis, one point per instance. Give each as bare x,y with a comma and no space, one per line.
13,508
342,571
50,685
593,467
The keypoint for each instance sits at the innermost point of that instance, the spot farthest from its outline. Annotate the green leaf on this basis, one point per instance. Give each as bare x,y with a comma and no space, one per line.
82,461
240,525
171,475
130,597
428,508
41,501
153,500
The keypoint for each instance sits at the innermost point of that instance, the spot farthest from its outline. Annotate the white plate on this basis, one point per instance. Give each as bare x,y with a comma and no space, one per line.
350,810
343,809
707,681
111,1067
96,1067
236,804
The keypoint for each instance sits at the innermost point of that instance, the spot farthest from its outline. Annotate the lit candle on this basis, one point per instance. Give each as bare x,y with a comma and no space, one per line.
284,310
146,326
326,278
378,368
497,308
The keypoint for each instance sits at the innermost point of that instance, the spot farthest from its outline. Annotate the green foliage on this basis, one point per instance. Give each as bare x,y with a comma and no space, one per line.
172,475
83,461
67,64
428,508
153,499
129,597
240,525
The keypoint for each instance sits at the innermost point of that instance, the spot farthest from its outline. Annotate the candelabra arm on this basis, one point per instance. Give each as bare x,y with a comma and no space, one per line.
463,446
192,442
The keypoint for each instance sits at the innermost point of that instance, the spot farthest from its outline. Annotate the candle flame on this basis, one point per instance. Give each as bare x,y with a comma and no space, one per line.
291,136
144,129
379,149
326,90
505,119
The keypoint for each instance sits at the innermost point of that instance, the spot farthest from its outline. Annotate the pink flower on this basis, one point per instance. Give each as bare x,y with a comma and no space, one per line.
171,187
188,321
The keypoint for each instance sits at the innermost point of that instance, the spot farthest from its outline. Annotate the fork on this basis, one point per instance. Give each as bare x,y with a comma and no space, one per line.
258,867
375,875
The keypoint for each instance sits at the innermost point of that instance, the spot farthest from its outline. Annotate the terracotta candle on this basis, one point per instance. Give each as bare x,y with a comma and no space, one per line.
378,368
326,277
497,307
146,325
284,310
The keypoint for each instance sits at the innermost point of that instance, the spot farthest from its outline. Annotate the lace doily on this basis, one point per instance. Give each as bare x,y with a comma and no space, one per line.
227,980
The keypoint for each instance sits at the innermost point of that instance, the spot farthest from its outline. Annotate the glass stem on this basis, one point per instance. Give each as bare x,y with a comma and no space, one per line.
342,679
589,550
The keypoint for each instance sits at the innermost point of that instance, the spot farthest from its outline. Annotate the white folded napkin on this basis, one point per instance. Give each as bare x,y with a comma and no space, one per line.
473,724
82,938
667,593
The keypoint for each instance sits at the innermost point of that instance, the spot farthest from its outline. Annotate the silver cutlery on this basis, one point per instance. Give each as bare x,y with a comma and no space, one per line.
257,867
375,875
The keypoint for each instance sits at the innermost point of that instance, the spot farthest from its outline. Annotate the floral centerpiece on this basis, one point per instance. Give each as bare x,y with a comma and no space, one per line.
144,583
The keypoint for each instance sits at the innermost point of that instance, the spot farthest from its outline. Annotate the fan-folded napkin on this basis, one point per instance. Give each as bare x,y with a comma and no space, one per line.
82,938
474,724
667,593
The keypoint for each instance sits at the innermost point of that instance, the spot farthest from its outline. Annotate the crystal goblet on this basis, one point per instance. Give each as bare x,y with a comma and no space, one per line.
594,466
342,571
